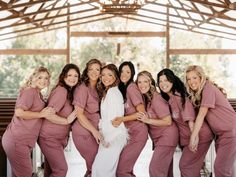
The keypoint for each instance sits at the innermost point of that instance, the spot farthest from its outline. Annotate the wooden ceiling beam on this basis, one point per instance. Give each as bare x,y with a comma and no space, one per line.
195,11
44,11
200,21
58,27
42,19
27,4
202,51
58,12
26,19
175,27
32,51
117,34
177,23
210,4
45,27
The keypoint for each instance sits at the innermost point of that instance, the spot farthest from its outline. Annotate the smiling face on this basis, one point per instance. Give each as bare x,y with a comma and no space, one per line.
41,81
144,83
165,85
71,78
108,77
94,71
125,74
193,80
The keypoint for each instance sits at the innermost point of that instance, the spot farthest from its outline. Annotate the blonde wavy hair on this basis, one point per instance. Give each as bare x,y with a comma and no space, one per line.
149,95
33,77
196,96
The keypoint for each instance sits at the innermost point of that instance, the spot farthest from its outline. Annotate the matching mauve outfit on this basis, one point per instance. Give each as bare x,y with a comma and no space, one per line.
21,134
221,118
190,163
86,98
138,134
165,138
53,137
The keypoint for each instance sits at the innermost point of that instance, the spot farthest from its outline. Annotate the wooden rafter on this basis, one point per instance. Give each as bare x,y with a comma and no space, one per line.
48,18
50,15
45,10
27,4
63,26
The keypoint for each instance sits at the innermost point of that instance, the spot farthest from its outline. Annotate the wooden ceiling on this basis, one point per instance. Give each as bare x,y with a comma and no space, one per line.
26,17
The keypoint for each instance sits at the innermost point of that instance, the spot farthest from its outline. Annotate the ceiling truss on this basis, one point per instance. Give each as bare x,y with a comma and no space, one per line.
211,17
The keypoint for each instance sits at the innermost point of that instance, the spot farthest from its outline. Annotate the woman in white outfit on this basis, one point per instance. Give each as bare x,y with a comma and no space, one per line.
115,138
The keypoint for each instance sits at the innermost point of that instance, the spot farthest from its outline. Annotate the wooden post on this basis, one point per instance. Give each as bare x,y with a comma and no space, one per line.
167,38
68,37
118,49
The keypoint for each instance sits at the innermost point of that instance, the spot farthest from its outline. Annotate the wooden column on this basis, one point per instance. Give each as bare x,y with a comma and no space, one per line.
68,37
167,38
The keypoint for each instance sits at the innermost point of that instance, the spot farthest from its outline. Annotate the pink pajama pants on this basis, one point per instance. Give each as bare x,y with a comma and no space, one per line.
192,162
131,152
225,156
53,150
87,147
161,161
19,156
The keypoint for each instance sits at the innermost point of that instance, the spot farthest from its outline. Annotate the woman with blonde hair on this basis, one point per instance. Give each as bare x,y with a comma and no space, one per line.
22,133
162,130
183,114
213,106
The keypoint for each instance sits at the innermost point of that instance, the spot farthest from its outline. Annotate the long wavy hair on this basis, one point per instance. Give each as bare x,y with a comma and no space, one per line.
61,80
115,71
122,86
178,85
196,96
33,77
149,95
85,77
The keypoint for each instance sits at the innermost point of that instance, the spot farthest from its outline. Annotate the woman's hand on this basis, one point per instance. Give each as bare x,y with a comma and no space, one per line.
143,117
117,121
98,136
193,144
47,112
72,117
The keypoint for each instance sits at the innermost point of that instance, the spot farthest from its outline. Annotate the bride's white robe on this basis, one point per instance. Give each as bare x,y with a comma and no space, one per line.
107,158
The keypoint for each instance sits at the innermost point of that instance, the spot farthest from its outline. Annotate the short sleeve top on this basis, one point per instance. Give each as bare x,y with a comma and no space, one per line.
163,135
26,131
221,117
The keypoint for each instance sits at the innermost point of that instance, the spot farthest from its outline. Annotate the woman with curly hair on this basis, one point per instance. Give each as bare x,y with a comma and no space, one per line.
54,132
213,106
85,132
162,130
115,138
183,114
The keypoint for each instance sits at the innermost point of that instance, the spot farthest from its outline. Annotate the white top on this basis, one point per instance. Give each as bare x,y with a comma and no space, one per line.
112,106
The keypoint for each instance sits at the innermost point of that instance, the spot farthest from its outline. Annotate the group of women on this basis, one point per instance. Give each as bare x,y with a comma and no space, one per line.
110,116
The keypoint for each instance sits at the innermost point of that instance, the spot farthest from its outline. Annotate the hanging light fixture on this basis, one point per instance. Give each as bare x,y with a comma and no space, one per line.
121,6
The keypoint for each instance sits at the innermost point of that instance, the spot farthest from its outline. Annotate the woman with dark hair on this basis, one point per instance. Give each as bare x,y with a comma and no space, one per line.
22,133
115,138
183,114
85,132
212,105
55,129
162,130
137,130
